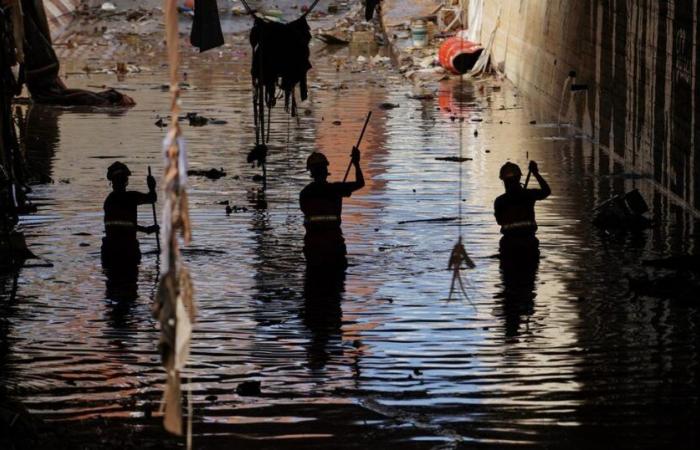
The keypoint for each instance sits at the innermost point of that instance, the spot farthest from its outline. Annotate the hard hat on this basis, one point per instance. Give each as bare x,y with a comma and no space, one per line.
316,159
116,169
510,170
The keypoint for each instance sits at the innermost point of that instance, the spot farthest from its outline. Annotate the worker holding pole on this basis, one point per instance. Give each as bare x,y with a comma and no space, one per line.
515,210
322,204
120,246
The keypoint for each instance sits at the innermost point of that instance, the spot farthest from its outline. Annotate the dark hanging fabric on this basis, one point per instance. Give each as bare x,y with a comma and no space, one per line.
9,148
206,27
280,59
370,6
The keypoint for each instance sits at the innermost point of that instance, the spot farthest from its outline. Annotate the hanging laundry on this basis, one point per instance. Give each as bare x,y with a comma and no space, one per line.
206,27
280,57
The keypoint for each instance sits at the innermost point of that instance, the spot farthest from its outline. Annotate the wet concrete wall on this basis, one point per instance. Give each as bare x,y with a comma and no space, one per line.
639,59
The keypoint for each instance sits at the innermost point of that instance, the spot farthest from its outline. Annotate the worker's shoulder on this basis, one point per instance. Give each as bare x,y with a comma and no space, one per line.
309,188
323,189
501,198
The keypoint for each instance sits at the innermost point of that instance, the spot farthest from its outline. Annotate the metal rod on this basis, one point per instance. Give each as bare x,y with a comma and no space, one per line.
155,218
364,127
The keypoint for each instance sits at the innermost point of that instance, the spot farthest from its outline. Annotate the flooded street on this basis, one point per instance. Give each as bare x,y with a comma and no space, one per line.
560,355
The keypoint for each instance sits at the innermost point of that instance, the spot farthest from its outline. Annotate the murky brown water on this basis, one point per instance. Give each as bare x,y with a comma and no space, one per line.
392,362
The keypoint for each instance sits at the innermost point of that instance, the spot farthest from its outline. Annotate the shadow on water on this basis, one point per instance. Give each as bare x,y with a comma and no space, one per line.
322,313
121,292
519,263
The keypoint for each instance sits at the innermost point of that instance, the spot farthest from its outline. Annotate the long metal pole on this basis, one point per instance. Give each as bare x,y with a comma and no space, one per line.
364,127
155,218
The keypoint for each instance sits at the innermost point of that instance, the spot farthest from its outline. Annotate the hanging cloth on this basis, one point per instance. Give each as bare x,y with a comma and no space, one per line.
280,58
206,27
174,303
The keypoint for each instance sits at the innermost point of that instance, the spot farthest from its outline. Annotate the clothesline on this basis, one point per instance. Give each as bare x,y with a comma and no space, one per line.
252,12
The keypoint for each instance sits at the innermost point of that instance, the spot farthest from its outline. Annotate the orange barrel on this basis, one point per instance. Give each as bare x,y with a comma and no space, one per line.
458,55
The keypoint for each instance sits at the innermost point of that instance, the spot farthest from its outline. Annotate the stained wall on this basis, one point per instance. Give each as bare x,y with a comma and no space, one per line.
639,60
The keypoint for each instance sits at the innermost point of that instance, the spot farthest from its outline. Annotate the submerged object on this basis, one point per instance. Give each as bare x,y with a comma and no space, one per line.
623,212
212,174
458,55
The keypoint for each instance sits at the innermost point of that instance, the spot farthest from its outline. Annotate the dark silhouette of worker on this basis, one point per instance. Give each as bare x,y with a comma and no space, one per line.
120,246
519,247
515,209
322,205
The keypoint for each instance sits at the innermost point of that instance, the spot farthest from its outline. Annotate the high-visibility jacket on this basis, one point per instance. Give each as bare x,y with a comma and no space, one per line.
322,205
515,211
120,213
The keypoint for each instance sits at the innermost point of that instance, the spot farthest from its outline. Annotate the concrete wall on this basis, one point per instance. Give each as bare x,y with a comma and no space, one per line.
639,59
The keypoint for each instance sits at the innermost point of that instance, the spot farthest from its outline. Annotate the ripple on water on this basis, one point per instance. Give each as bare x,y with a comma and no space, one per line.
499,368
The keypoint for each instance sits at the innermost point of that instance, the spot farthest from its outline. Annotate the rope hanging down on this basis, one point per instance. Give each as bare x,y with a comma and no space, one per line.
251,11
459,258
174,306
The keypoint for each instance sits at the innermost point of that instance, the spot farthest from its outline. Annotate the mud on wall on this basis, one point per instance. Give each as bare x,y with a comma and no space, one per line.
639,59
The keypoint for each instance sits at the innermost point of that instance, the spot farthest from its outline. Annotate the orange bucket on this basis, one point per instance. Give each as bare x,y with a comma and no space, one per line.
458,55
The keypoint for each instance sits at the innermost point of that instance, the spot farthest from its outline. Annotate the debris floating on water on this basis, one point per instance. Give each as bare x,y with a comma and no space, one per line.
453,158
212,174
248,388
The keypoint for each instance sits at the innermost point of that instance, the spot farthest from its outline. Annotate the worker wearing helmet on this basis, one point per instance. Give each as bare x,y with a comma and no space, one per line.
515,209
322,204
120,244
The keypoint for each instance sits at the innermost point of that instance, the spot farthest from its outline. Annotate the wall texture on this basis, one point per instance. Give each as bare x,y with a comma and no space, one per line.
639,59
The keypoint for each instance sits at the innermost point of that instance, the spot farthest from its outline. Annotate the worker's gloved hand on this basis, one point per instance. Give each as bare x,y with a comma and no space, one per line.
355,155
533,167
151,182
152,229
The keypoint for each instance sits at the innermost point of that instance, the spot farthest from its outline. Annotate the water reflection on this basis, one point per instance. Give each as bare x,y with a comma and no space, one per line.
322,314
42,137
519,263
121,293
575,349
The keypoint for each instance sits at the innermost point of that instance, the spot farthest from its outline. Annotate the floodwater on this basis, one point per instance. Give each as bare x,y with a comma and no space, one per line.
562,357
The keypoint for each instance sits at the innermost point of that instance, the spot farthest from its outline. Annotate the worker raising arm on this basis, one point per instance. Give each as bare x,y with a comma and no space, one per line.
515,209
322,204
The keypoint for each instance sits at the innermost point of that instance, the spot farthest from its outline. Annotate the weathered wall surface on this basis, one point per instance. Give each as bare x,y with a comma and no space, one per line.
639,59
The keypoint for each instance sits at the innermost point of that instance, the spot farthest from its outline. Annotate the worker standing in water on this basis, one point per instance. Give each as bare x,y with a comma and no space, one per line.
515,211
322,205
120,246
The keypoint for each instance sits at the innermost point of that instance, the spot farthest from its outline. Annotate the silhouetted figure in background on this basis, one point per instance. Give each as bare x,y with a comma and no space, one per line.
519,248
120,248
322,205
